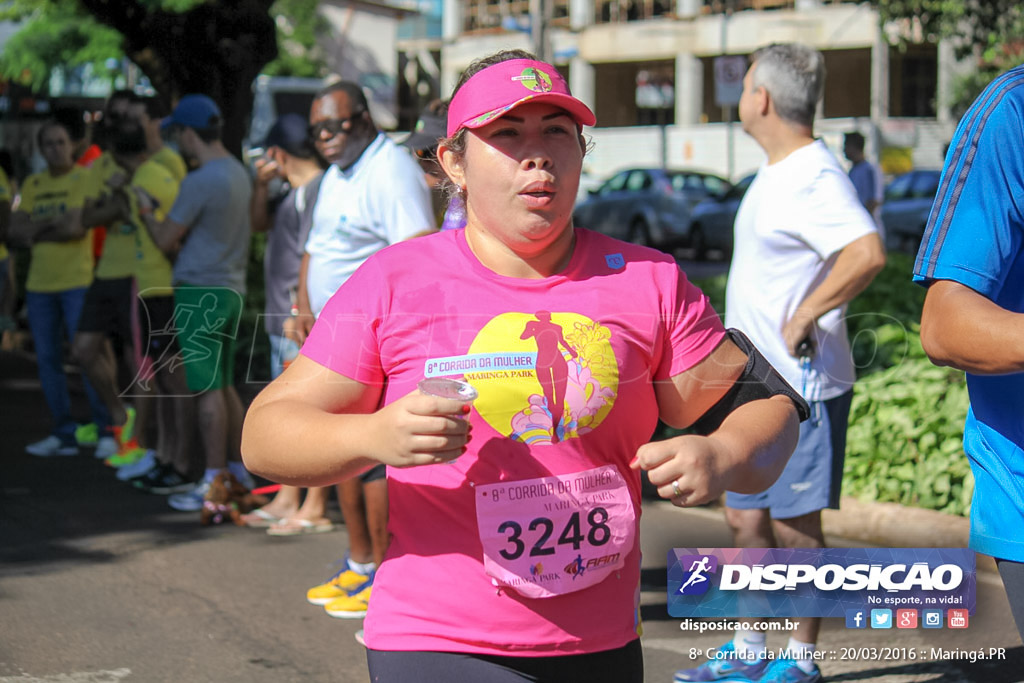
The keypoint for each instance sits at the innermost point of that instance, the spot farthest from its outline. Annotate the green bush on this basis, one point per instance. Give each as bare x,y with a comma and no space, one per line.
904,443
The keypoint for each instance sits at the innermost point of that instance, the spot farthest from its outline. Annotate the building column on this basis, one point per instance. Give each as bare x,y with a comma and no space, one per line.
581,14
879,93
689,89
582,81
686,9
451,29
947,67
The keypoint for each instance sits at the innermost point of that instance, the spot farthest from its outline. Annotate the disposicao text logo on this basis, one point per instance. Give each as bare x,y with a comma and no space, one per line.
817,582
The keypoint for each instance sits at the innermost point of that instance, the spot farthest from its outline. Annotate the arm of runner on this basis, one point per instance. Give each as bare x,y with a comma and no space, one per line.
745,454
333,422
855,267
963,329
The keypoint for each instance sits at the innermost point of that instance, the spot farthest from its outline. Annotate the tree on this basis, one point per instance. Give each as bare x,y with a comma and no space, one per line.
214,47
990,30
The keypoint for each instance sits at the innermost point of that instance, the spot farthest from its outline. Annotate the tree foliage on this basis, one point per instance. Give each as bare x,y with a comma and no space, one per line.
992,31
215,47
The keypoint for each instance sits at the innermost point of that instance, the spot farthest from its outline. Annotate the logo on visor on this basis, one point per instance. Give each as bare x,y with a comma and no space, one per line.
534,79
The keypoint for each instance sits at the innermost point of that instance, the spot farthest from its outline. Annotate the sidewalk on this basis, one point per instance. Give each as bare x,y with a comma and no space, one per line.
134,591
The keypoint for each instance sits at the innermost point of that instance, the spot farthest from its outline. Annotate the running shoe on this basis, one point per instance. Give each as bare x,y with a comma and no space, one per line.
106,446
128,456
163,480
190,501
341,585
51,446
87,434
139,468
725,666
786,671
351,606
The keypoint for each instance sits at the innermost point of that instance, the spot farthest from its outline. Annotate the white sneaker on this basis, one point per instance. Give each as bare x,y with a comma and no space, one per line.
50,446
106,446
138,468
191,501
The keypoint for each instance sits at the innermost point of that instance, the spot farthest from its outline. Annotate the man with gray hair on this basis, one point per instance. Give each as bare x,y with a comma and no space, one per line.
804,247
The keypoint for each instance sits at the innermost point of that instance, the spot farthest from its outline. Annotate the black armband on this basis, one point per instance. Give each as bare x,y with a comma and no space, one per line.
759,380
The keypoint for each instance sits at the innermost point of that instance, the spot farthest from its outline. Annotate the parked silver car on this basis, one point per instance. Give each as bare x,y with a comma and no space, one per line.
713,219
908,201
650,206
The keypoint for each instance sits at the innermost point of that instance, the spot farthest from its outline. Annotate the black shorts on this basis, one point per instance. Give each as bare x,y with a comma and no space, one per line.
622,665
157,335
109,309
377,472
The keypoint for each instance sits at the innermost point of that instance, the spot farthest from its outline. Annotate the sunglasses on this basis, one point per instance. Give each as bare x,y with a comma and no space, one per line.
333,126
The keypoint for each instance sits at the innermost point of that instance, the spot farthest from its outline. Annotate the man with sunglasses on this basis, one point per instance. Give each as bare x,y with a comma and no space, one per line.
373,194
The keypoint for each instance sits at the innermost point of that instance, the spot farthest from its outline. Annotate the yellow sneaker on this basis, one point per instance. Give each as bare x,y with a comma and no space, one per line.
343,584
351,606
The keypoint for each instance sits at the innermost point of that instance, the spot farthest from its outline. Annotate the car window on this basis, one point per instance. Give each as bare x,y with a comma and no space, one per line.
614,184
638,180
899,188
715,186
925,185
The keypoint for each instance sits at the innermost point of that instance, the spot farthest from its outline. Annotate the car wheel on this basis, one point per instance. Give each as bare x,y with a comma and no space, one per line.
639,233
698,243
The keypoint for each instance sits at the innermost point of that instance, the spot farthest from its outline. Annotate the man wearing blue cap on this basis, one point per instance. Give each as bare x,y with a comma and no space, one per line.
208,229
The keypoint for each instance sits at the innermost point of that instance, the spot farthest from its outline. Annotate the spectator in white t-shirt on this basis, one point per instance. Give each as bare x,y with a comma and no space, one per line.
372,195
805,246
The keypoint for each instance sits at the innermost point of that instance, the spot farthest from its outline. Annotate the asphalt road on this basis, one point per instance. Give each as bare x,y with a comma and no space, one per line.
100,583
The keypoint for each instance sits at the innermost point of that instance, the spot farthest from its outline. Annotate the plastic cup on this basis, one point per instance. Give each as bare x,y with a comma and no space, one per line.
454,389
445,387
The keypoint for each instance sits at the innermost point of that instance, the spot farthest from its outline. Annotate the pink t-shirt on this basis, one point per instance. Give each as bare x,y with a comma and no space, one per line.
585,345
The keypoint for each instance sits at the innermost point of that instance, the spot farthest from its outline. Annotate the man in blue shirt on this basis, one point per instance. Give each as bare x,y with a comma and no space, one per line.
972,262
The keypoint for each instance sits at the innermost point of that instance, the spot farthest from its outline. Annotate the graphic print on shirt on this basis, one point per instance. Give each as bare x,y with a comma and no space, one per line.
542,377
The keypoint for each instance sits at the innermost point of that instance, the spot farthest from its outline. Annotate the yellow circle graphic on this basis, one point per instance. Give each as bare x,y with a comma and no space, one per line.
544,377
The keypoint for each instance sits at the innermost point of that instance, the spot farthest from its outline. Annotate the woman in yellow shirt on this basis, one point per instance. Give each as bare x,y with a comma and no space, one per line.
49,219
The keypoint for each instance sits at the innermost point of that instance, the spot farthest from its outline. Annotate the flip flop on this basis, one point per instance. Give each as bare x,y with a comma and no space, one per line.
297,527
261,519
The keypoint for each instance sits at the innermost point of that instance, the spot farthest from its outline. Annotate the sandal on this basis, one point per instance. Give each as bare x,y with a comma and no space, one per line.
261,519
298,527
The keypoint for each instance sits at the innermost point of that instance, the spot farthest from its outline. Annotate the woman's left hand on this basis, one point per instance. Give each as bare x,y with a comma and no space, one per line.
686,469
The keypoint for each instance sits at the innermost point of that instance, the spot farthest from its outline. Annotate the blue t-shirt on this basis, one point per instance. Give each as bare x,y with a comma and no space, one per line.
974,237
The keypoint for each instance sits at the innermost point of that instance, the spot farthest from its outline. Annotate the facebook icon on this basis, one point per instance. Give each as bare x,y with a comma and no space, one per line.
856,618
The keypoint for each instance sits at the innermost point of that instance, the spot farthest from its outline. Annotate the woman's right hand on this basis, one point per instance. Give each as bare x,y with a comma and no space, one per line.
418,429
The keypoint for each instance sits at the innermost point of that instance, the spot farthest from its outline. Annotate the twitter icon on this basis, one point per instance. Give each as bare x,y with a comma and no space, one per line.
881,618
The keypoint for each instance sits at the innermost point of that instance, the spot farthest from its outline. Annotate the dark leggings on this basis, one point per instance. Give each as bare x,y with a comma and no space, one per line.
1013,580
622,665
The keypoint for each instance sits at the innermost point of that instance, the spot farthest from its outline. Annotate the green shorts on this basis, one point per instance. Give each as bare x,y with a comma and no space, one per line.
207,320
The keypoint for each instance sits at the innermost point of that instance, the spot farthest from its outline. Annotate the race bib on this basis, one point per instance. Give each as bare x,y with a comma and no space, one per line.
555,535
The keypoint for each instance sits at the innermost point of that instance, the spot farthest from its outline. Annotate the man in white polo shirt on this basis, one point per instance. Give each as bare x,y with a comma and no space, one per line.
372,195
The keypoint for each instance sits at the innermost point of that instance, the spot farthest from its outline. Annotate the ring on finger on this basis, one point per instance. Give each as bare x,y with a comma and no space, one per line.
676,493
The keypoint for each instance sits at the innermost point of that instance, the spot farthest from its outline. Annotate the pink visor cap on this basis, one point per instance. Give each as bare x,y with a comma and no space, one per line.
498,89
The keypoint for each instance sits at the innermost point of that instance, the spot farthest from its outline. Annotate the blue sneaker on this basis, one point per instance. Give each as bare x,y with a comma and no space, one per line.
725,666
786,671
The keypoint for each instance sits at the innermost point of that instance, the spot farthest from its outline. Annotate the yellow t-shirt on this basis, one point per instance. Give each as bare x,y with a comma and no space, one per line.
5,196
153,270
57,266
119,252
172,161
